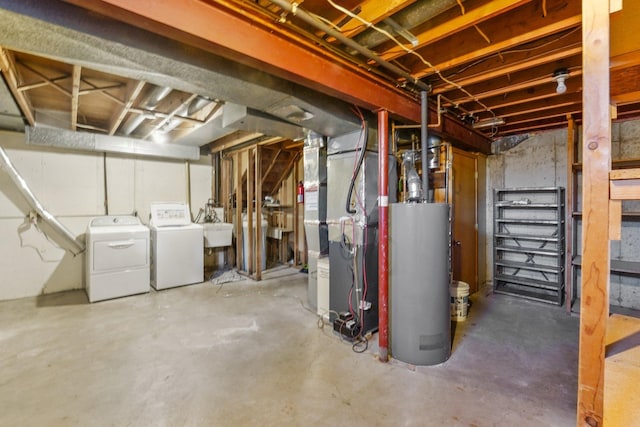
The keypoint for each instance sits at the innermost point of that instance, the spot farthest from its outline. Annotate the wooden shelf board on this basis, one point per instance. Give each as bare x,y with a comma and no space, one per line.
617,266
615,164
622,371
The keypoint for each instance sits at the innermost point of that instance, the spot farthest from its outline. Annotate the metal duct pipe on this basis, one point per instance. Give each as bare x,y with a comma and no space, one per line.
21,184
289,7
424,135
197,104
407,18
150,103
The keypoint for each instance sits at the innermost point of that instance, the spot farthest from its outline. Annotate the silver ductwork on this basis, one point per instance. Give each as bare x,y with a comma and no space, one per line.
414,184
408,18
61,138
21,184
150,103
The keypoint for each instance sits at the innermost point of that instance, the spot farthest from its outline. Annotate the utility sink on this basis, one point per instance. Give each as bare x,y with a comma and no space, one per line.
217,234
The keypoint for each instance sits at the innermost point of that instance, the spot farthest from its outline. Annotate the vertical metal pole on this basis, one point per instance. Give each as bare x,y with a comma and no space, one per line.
383,230
296,225
424,135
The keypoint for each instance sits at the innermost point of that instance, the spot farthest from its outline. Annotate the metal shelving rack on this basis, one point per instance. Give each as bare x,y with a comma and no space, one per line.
529,243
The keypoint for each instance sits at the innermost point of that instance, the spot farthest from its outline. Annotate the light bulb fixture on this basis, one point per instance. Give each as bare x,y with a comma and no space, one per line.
559,76
490,122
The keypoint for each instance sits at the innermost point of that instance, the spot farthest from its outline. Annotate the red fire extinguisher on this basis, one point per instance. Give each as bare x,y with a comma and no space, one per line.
300,192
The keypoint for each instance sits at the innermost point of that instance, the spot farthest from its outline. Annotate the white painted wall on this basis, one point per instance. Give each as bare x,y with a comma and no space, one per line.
70,184
541,161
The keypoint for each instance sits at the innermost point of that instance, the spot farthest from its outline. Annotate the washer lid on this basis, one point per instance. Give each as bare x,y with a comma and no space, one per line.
165,214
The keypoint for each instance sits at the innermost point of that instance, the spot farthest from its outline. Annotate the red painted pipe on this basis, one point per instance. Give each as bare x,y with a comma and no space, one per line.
383,232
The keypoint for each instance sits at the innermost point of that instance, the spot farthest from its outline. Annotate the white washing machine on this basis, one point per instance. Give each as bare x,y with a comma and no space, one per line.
117,257
177,246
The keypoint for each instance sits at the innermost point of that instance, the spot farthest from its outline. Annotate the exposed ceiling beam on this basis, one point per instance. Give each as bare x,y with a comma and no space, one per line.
562,16
546,114
514,99
452,25
13,79
42,83
500,66
208,26
99,89
49,81
501,86
133,92
372,11
539,105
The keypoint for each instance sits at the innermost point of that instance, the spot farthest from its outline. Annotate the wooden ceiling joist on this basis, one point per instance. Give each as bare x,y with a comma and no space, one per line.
10,73
133,91
75,89
503,37
454,24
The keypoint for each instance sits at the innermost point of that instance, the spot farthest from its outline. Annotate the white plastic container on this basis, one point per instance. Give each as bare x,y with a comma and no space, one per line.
459,300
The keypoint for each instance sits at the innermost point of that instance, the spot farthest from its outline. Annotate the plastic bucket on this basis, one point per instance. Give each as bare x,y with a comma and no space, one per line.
459,300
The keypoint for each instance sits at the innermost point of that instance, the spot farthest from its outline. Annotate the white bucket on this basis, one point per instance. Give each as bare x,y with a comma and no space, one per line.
459,292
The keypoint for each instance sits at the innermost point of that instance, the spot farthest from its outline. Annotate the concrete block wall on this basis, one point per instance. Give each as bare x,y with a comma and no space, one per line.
71,186
541,161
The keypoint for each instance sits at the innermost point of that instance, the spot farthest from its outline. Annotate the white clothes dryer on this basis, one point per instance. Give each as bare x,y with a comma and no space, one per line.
177,246
117,258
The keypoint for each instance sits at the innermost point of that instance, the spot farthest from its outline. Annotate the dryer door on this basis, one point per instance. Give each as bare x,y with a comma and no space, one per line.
109,255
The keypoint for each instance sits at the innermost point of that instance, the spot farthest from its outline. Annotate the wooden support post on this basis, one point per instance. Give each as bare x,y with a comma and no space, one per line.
250,197
259,230
596,153
238,184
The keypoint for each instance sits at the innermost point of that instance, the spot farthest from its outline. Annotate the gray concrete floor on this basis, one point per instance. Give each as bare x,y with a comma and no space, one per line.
250,354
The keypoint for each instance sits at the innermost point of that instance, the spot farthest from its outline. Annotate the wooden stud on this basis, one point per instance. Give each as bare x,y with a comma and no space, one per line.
238,184
259,230
75,89
596,154
8,67
250,198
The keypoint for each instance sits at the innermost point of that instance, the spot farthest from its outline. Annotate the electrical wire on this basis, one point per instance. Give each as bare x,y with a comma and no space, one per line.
511,51
413,52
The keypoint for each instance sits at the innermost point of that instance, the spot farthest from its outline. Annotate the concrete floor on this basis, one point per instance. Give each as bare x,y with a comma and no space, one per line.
250,354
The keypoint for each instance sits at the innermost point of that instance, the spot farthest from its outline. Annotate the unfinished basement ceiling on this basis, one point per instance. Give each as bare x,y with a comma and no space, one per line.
483,59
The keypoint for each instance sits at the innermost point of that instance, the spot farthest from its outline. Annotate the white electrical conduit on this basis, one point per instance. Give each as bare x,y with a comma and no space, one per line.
21,184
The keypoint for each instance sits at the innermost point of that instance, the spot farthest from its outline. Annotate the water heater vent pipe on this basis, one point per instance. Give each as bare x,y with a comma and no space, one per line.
424,135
